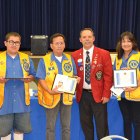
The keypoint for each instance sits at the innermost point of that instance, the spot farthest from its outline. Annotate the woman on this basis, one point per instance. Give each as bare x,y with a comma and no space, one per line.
128,57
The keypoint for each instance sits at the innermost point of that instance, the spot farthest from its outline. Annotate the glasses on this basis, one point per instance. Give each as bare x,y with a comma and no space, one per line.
11,42
58,43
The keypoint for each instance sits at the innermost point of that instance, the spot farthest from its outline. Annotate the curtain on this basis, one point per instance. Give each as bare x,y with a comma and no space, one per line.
108,19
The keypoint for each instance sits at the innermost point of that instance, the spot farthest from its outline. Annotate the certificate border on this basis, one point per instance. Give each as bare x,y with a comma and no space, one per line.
125,86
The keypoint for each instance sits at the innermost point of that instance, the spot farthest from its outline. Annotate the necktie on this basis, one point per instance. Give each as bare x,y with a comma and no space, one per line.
87,68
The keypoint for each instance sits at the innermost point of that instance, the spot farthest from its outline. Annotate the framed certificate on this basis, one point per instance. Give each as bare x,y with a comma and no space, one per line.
125,78
64,83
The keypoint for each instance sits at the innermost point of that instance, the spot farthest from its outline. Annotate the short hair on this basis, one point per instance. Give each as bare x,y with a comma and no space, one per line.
8,35
86,29
131,37
57,35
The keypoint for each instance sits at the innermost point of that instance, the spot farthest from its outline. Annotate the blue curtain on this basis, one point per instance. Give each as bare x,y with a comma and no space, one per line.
108,19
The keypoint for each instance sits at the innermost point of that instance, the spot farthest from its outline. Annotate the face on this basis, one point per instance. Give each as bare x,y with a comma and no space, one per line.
58,46
12,45
87,39
126,44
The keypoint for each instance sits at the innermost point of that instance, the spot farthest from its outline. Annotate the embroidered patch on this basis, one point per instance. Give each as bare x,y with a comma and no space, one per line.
67,67
99,75
133,64
26,66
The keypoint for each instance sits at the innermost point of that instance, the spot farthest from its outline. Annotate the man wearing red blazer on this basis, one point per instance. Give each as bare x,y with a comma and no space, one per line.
93,92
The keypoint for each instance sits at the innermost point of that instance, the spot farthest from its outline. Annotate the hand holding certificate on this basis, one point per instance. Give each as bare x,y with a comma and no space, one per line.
125,78
64,83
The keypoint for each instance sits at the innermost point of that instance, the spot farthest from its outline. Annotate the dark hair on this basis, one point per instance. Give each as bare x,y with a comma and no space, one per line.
8,35
131,37
86,29
57,35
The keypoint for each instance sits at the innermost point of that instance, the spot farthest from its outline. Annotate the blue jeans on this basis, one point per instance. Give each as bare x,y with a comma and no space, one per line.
65,116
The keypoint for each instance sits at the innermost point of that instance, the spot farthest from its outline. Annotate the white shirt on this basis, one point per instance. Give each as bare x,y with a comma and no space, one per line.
85,85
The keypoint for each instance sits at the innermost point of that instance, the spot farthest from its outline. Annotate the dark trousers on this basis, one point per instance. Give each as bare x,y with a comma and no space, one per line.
131,116
88,107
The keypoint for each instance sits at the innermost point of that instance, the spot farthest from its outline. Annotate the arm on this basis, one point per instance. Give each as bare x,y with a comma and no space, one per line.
41,75
108,77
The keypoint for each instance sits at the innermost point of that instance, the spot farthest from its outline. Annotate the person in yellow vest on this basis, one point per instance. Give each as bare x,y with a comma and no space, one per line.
54,63
128,57
16,71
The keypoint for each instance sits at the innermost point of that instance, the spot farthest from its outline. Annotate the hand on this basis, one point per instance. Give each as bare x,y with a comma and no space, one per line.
78,79
125,68
28,79
129,89
104,100
3,80
55,91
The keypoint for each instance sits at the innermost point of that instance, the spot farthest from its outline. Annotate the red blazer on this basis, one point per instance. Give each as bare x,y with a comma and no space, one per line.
100,76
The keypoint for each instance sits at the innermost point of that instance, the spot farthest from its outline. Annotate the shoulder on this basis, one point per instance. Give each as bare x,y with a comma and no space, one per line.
23,55
75,53
102,51
48,55
67,55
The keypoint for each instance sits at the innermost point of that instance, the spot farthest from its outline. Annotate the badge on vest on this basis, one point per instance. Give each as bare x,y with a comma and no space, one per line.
51,68
67,67
133,64
26,65
99,75
80,63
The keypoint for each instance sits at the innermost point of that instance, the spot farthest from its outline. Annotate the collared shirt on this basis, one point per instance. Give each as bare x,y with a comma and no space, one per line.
85,85
41,71
14,92
124,65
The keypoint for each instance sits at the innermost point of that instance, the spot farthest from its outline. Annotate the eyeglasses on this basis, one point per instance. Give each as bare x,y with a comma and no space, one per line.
58,43
11,42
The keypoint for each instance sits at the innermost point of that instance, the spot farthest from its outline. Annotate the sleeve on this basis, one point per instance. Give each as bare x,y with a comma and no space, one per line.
74,67
32,70
108,75
41,70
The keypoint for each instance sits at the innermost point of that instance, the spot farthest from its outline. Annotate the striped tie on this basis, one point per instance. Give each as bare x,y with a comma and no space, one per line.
87,68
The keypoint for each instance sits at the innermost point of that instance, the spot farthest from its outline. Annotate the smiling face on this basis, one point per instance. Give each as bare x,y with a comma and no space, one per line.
58,45
12,44
87,38
126,44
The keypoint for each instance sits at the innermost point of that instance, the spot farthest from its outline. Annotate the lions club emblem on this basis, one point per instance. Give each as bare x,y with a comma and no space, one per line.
99,75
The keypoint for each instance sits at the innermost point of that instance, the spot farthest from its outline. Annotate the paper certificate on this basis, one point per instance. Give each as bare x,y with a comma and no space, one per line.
117,91
64,83
125,78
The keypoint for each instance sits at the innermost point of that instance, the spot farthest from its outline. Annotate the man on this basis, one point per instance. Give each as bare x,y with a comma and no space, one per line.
16,71
54,63
94,67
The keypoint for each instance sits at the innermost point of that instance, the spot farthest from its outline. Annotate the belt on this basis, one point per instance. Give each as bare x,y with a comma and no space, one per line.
87,90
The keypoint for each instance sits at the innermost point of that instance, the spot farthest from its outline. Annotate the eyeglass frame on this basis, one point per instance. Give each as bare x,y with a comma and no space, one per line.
11,42
59,43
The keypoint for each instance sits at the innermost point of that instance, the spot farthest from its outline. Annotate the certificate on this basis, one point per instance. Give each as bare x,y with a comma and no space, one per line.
65,83
125,78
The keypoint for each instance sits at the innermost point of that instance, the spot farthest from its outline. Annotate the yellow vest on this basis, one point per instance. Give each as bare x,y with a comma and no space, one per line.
46,99
133,63
22,57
